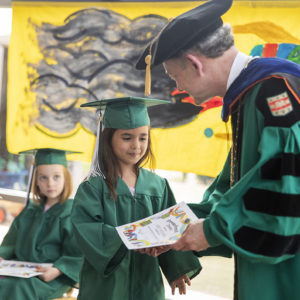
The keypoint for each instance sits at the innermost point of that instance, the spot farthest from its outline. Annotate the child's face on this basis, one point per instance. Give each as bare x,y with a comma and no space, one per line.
50,180
130,145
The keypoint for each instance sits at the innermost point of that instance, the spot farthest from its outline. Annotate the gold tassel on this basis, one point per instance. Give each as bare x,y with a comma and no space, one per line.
148,60
148,75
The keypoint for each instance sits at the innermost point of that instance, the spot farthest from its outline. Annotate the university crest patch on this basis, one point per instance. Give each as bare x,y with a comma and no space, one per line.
280,105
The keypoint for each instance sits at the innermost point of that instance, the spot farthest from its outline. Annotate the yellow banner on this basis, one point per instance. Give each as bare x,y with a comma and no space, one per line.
64,54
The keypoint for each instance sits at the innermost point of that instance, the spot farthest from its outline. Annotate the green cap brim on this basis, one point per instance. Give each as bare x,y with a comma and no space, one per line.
126,112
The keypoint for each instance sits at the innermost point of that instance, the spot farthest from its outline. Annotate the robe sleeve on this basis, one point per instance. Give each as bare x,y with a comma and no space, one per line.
71,259
259,217
99,242
210,198
175,264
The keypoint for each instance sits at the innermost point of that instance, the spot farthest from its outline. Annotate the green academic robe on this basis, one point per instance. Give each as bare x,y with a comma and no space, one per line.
44,237
258,218
110,271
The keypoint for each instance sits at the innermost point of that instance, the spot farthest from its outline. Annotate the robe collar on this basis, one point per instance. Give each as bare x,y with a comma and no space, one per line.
239,63
257,70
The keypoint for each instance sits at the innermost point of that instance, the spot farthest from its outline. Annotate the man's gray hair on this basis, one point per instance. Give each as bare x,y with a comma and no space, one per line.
214,45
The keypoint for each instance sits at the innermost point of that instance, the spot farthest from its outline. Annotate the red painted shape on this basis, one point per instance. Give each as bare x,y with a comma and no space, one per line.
270,50
212,103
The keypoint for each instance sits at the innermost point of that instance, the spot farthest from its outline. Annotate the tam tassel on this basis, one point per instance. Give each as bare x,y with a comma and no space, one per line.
97,168
148,75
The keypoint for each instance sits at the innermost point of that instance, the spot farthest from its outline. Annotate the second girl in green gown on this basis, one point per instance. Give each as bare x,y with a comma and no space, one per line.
124,193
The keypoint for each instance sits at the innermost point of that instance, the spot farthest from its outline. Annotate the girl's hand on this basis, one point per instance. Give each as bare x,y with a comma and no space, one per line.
180,284
154,251
48,273
1,258
149,251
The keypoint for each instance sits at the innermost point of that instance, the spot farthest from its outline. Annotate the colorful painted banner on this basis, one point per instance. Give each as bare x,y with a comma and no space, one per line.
63,54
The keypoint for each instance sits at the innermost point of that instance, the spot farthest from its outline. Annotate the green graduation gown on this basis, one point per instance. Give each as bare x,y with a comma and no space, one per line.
110,271
44,237
259,217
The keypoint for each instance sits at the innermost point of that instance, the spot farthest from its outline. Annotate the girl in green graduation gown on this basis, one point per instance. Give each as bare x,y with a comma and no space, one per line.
42,233
118,191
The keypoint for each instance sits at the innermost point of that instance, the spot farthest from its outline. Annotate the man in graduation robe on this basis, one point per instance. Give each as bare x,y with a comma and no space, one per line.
253,206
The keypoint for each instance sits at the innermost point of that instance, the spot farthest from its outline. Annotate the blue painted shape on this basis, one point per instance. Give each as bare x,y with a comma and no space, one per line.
285,49
208,132
257,50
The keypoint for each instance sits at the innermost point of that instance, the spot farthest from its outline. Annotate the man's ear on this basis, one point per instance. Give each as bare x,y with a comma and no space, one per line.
196,63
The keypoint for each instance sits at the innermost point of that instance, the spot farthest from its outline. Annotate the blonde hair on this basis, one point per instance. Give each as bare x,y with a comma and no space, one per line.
39,198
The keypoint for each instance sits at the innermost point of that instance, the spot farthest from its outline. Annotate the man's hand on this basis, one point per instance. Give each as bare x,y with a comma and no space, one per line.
48,273
193,238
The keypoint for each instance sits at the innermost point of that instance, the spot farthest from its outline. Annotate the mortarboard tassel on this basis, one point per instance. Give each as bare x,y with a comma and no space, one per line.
96,168
148,61
148,75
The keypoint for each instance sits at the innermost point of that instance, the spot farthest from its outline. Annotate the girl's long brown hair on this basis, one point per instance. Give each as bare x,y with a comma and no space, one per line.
111,164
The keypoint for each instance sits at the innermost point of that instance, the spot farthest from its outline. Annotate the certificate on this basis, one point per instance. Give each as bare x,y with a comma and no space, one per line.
163,228
22,269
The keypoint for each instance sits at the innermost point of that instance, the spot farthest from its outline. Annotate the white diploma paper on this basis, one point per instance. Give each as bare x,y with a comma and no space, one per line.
22,269
163,228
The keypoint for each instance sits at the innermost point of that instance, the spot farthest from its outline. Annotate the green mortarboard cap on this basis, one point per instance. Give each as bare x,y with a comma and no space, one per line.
125,112
49,156
184,31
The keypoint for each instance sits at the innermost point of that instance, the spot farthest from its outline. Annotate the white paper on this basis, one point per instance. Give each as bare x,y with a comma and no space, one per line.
163,228
22,269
